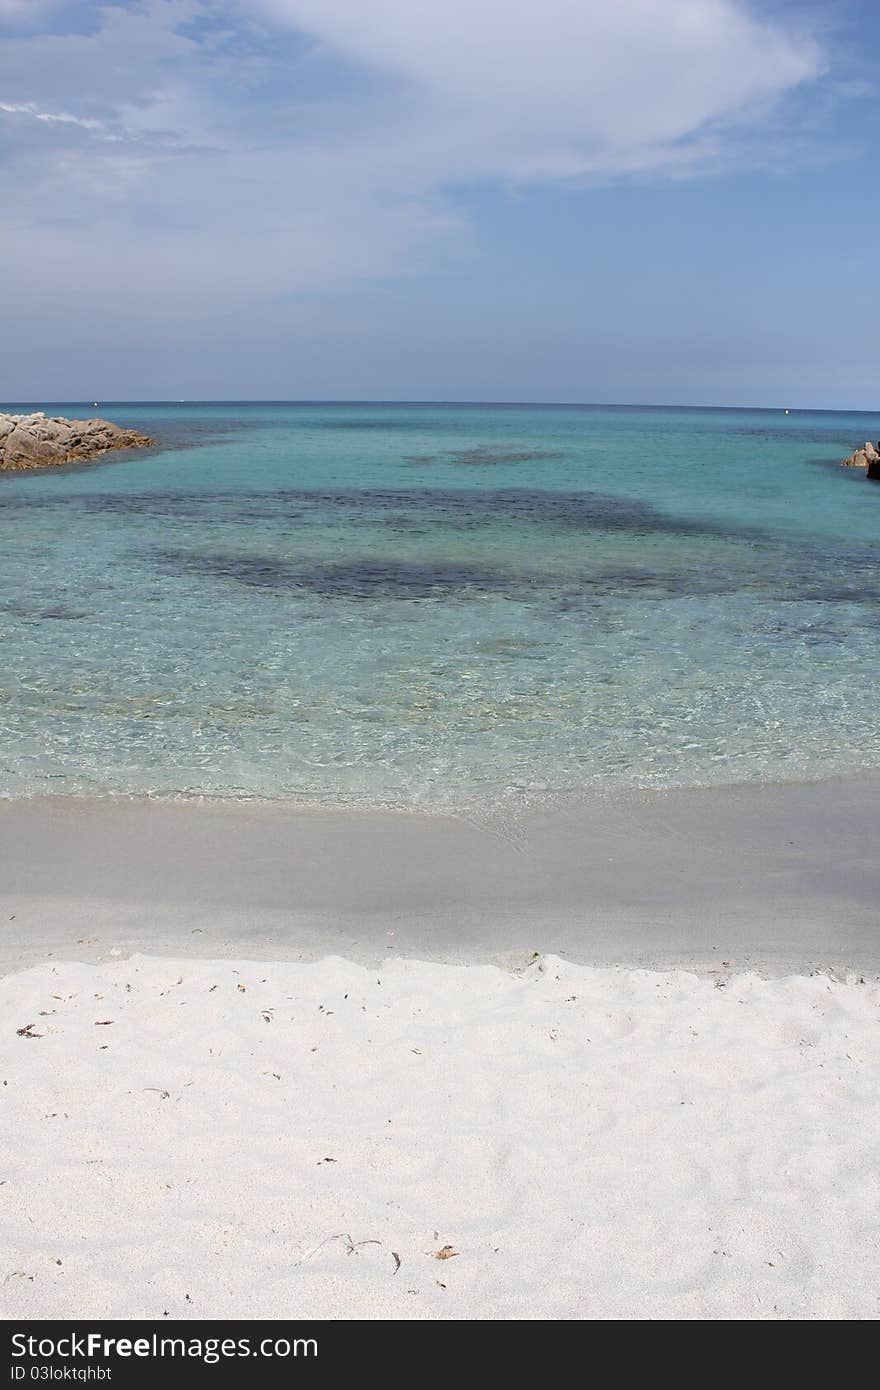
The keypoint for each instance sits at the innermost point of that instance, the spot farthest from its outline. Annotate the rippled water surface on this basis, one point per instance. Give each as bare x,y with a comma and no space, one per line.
434,604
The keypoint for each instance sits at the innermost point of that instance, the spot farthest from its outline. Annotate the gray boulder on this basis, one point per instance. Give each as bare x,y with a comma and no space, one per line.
857,460
33,441
862,457
24,448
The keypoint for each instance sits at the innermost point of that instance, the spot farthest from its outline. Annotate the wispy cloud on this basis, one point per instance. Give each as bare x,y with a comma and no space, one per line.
25,108
560,89
180,152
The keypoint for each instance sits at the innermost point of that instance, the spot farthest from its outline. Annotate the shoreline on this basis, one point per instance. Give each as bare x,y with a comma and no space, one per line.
520,799
776,877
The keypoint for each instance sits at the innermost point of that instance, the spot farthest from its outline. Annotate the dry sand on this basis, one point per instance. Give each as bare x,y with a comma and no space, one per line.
230,1140
236,1132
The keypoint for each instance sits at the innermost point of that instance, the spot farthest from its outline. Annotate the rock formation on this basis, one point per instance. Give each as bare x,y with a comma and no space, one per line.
864,458
33,441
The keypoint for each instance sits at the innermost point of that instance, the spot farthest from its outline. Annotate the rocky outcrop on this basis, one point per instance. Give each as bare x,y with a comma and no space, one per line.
874,469
35,441
864,457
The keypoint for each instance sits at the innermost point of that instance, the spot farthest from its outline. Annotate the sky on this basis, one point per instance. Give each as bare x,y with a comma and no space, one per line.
655,201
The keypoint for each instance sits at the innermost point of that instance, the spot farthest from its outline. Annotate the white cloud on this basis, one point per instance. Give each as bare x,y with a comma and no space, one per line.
566,88
175,156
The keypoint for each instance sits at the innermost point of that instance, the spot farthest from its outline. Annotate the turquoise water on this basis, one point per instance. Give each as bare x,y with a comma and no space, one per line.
435,605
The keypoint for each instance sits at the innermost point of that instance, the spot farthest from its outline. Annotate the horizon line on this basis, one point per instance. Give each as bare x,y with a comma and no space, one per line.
441,401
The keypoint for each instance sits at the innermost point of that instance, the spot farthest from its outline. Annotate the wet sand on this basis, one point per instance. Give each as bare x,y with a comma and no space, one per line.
552,1139
780,878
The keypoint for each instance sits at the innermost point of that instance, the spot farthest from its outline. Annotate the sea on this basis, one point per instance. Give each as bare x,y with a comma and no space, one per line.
440,606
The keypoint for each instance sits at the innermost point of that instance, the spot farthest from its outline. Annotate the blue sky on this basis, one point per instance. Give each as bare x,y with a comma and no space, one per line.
645,200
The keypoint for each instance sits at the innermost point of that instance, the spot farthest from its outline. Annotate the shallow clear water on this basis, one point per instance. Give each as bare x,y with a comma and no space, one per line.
432,605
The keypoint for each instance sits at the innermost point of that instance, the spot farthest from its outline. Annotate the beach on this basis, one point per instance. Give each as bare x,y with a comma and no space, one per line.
613,1059
442,835
260,1140
439,668
776,877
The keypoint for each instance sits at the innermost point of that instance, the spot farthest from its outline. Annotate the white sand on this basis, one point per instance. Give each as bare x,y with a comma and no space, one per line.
591,1142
